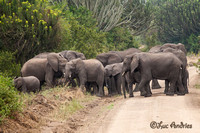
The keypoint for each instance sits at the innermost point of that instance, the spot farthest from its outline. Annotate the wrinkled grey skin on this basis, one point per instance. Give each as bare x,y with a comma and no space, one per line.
115,71
109,58
178,46
70,55
112,57
27,84
182,57
158,48
42,55
87,71
126,52
151,65
130,79
45,69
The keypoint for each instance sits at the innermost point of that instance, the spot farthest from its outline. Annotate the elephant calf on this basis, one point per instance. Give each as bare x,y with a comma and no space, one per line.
114,71
27,84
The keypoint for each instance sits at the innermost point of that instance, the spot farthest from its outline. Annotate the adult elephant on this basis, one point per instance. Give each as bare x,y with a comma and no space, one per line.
159,48
87,71
70,55
182,56
45,69
114,71
151,65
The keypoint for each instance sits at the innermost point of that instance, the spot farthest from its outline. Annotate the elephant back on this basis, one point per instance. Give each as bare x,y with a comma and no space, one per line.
34,67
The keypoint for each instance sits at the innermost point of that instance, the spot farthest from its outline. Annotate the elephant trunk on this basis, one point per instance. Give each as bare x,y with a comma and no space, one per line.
123,86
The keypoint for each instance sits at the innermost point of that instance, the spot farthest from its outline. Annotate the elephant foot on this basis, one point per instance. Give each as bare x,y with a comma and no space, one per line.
148,95
170,94
143,93
180,94
186,92
99,95
131,96
156,87
136,90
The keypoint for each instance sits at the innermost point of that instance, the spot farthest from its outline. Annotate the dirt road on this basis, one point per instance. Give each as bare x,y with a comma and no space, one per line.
159,113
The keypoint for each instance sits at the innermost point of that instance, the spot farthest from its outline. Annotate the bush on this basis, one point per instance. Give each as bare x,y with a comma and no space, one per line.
8,64
120,39
28,27
9,98
193,43
80,32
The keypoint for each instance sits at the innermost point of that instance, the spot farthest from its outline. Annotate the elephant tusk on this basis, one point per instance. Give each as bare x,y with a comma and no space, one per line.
123,73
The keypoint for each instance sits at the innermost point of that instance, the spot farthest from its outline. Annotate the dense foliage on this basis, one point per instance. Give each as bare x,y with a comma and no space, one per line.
8,64
9,98
28,28
178,21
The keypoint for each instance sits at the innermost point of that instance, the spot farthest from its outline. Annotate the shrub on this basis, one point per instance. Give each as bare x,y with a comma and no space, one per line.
8,64
9,98
28,27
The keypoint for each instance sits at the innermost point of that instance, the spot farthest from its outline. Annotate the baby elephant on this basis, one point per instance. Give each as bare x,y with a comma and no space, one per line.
27,84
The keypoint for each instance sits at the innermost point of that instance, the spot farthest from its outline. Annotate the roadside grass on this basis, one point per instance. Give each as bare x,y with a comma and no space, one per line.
197,86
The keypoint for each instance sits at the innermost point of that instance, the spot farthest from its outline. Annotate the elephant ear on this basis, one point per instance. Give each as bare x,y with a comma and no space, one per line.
116,69
134,63
52,59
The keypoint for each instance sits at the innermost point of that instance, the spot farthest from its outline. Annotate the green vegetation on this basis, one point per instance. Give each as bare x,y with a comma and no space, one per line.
178,21
9,98
28,27
8,64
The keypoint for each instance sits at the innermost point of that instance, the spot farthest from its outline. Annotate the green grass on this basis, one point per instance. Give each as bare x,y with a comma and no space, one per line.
197,86
109,107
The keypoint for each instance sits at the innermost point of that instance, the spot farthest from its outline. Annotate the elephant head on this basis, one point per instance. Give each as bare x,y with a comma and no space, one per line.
56,61
113,69
73,67
18,82
70,55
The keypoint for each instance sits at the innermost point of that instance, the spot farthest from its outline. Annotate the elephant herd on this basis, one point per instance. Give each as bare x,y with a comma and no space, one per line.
117,70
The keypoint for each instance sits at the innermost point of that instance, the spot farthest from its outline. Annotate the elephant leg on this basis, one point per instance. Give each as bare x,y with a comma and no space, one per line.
141,87
24,89
166,86
113,86
130,90
88,88
49,76
124,86
95,88
155,84
136,88
148,90
108,85
180,87
118,83
172,88
185,81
